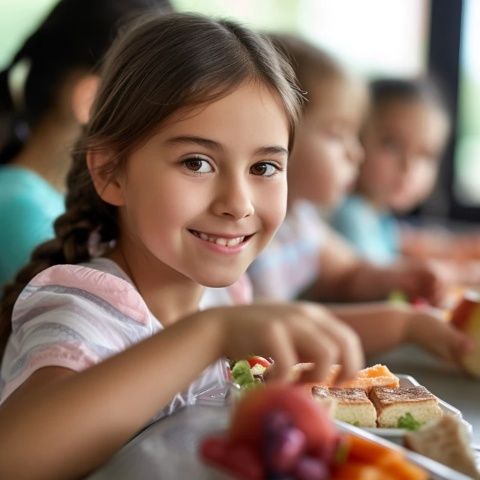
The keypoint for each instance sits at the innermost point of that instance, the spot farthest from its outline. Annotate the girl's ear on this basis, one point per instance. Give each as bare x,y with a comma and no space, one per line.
109,186
83,95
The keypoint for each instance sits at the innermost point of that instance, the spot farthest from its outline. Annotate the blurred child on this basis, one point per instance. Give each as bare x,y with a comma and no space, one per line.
306,253
404,137
180,177
42,113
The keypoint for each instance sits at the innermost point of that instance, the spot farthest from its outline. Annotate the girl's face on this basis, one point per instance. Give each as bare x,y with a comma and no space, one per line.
403,141
327,152
204,195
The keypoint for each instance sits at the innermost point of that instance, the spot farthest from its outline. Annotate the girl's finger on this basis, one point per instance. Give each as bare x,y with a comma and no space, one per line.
283,352
350,349
322,352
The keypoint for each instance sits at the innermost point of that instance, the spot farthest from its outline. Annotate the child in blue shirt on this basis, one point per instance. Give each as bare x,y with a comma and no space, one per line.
403,137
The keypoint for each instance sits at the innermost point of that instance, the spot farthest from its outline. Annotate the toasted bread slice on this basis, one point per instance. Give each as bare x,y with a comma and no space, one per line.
393,403
349,405
446,441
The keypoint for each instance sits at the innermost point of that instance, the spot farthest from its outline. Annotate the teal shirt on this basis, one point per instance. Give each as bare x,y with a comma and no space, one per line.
374,233
28,207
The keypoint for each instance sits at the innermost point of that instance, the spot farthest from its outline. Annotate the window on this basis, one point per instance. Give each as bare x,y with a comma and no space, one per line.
18,19
467,151
382,37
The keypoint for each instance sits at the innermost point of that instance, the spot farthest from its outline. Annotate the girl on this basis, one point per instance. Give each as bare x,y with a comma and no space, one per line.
404,137
41,116
180,179
306,253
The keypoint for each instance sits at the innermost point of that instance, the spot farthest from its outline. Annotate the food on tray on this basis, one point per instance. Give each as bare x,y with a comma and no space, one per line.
376,375
401,407
393,404
280,431
249,373
349,405
446,441
367,460
466,317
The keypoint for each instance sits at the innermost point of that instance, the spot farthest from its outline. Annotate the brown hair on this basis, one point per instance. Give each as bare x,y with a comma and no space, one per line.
424,89
163,63
311,64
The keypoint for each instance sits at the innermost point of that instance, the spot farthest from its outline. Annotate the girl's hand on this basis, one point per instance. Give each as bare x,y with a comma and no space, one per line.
290,333
437,336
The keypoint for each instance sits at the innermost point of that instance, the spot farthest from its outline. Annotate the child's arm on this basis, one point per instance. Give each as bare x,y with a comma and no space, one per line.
62,424
344,276
383,326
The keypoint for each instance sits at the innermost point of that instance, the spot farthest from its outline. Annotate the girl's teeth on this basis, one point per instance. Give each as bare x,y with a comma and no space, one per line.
224,242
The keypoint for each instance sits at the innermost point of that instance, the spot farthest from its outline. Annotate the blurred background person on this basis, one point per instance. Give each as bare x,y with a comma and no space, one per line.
41,116
305,253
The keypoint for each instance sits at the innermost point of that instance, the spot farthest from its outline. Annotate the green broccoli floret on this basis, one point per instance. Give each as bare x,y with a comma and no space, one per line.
243,376
409,422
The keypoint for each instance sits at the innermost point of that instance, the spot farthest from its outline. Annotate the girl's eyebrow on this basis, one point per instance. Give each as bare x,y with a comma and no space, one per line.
212,144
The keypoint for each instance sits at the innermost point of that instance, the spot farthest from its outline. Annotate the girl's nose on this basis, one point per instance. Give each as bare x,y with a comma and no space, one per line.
233,199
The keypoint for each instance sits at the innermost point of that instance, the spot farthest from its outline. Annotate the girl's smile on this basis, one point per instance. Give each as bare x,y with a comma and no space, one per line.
228,243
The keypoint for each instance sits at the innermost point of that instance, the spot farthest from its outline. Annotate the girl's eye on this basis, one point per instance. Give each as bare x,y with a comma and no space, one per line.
198,165
264,169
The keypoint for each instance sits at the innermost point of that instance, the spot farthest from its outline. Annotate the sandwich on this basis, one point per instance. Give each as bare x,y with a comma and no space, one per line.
446,441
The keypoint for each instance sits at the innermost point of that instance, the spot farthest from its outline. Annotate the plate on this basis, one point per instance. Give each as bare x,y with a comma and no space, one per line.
397,434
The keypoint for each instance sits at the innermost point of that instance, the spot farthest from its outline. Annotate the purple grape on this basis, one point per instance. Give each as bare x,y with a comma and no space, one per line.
309,468
284,450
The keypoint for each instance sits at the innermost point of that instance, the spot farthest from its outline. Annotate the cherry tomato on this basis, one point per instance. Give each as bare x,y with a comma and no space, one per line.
257,360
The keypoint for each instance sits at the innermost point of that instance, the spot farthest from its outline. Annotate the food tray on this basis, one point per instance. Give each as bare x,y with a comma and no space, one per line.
168,449
397,434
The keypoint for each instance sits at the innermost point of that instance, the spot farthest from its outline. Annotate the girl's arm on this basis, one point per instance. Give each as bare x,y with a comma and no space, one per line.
382,326
61,424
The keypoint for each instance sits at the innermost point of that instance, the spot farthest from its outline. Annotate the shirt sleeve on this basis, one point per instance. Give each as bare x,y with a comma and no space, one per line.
73,317
291,262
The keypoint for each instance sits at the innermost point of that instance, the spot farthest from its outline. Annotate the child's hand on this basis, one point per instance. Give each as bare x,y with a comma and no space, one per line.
437,336
291,333
421,279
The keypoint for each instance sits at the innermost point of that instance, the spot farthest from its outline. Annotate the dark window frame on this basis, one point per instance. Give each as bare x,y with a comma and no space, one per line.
444,62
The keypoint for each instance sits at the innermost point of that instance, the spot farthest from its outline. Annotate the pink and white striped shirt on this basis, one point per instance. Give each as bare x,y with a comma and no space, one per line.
75,316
